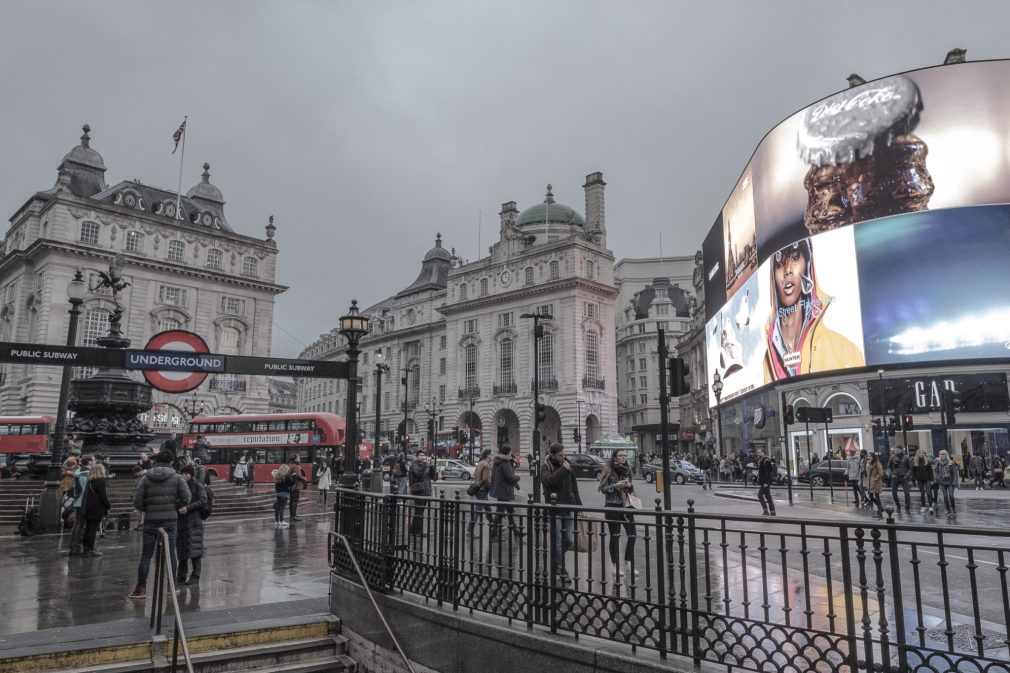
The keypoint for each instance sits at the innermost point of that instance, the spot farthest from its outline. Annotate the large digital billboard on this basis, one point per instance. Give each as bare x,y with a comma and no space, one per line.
866,230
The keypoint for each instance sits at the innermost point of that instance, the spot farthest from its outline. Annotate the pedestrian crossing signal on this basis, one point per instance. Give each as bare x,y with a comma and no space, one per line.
906,422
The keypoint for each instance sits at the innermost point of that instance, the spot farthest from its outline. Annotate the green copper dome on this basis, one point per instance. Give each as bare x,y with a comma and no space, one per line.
549,212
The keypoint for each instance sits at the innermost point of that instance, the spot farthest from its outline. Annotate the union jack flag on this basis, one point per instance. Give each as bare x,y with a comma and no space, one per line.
177,136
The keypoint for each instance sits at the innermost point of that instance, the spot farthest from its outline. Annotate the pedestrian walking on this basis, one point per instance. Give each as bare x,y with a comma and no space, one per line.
324,483
864,464
998,467
95,506
189,529
617,488
561,488
398,478
239,474
482,481
282,489
160,495
875,484
170,445
80,482
922,472
504,484
947,477
767,471
250,475
977,470
298,484
853,466
420,475
900,468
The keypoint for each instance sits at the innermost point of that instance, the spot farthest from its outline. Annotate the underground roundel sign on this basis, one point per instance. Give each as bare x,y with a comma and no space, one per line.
184,352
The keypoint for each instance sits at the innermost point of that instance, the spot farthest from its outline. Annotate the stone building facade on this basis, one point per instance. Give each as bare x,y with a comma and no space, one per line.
460,353
187,269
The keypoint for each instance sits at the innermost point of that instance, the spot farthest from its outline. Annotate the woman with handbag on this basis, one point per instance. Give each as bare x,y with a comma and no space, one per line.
480,488
619,495
95,506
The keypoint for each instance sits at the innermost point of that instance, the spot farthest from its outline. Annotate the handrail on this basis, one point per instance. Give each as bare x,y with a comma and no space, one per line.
163,563
378,610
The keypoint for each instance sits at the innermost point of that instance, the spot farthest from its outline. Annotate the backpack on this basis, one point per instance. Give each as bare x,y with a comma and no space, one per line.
209,508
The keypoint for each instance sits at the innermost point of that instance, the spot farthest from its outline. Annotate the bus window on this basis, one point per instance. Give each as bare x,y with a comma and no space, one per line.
5,429
274,456
277,426
257,455
300,425
217,456
260,426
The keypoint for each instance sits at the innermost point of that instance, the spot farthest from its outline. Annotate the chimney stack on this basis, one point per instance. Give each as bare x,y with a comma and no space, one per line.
596,221
508,215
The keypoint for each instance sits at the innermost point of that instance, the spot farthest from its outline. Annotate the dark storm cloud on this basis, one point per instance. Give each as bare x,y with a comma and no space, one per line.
365,127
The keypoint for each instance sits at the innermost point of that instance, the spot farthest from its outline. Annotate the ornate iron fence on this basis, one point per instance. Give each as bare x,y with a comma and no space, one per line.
749,593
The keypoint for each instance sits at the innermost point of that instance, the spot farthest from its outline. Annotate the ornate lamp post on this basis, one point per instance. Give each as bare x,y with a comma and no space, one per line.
380,369
538,409
76,291
403,436
717,389
353,327
191,409
431,408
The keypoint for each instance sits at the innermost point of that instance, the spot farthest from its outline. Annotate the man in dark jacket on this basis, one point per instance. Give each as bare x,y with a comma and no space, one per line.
161,495
420,474
561,487
900,468
201,450
504,482
767,471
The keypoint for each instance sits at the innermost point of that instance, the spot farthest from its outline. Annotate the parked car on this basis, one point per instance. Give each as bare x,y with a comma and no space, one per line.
681,471
449,468
824,472
781,478
585,465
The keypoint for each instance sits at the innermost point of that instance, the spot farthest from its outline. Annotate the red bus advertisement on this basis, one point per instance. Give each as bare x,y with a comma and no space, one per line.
267,440
22,441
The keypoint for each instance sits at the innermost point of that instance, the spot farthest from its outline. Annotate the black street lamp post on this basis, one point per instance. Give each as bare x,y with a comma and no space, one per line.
717,390
538,334
883,414
191,409
380,369
432,409
353,327
469,421
75,295
403,435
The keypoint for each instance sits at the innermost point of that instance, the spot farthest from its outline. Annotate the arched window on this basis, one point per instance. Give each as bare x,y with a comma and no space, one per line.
249,266
165,324
176,251
89,233
547,359
506,354
592,358
470,367
215,259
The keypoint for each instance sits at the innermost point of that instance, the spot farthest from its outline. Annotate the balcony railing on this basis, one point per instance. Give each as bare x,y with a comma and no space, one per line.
410,405
228,384
505,389
468,392
546,385
593,383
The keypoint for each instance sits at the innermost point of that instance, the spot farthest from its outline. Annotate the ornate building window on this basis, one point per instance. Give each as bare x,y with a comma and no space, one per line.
506,357
96,324
592,343
529,275
470,367
215,259
89,233
590,269
462,292
547,377
173,296
229,342
555,268
483,286
415,385
134,241
165,324
249,266
176,251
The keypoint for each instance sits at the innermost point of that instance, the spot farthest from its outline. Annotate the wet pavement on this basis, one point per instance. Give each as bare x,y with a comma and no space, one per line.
249,562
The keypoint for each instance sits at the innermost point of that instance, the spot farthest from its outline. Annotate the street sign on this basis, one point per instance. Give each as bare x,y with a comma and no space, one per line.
46,354
185,362
243,364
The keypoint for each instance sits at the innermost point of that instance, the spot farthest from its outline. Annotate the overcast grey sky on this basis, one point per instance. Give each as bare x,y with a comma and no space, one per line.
366,127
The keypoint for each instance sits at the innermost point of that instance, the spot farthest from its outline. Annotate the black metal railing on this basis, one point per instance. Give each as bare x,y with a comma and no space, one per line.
593,383
743,592
504,389
164,585
546,385
468,392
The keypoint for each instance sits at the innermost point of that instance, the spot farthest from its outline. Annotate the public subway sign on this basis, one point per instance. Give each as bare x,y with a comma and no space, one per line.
45,354
180,361
922,394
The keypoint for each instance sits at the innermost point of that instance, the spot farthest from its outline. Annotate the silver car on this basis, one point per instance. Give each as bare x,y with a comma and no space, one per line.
681,471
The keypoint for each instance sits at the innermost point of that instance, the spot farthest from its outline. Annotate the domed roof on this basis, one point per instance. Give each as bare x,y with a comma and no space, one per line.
438,252
206,191
83,154
549,212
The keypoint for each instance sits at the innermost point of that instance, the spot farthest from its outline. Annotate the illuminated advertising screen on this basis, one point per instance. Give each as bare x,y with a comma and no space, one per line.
868,229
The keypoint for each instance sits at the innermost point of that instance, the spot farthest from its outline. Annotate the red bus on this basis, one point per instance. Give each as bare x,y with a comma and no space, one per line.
22,439
268,440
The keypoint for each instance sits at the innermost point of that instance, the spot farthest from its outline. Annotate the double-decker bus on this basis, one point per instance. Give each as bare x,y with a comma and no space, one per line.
268,440
24,441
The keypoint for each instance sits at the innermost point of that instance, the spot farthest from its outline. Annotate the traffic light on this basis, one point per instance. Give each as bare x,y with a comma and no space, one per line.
431,434
897,420
892,427
801,414
576,437
679,385
541,413
877,427
906,422
789,415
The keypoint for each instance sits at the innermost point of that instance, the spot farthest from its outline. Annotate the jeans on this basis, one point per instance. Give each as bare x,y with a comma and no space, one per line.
280,505
417,516
479,510
90,531
926,498
615,519
496,520
903,483
875,501
401,486
564,535
150,541
293,505
183,564
708,480
947,492
979,479
765,498
858,493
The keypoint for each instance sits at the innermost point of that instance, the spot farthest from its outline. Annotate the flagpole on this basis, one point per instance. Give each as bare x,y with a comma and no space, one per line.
182,157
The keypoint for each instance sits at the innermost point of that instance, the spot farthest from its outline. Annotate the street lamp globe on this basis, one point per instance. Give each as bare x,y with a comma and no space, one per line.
353,325
717,385
76,289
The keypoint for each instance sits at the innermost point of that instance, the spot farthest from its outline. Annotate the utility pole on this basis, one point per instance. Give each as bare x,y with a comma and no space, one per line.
539,411
664,419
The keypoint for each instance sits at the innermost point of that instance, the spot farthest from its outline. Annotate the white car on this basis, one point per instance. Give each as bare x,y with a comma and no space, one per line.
454,469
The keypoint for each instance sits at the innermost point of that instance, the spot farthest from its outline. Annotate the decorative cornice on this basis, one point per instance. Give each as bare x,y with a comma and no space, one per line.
528,291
